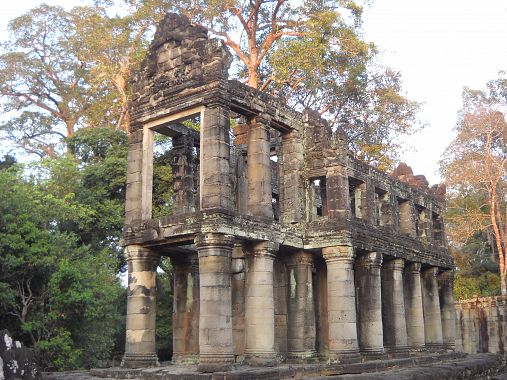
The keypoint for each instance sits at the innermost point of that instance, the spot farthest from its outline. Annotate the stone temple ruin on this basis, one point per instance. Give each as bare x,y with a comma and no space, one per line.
284,247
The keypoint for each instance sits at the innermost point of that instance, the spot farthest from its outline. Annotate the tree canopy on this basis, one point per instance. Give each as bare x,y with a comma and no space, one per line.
475,169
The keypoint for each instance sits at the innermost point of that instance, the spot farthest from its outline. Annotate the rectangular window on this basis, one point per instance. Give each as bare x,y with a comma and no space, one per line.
357,196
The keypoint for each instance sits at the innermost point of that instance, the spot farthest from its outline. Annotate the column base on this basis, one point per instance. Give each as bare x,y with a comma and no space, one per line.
185,358
397,352
344,357
435,346
262,359
450,346
416,349
373,353
215,362
296,357
139,360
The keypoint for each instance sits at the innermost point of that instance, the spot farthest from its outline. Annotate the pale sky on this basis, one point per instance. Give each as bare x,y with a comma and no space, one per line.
439,46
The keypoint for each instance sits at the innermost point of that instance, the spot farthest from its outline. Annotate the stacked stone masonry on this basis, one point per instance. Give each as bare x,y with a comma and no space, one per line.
481,325
284,247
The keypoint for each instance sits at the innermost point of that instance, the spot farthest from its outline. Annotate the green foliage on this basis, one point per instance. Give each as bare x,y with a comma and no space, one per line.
475,169
164,331
487,284
57,352
58,295
477,268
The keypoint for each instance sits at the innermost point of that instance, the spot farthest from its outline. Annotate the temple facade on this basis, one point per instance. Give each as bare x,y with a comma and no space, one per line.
284,247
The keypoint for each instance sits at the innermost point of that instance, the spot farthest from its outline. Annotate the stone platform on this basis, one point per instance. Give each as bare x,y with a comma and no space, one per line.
438,366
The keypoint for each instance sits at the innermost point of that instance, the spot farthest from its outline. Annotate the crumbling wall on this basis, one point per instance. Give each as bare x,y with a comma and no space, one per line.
481,325
16,361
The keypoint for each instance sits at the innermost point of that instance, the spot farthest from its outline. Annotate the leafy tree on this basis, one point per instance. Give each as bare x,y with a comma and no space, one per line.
164,330
311,55
475,169
115,45
43,82
56,294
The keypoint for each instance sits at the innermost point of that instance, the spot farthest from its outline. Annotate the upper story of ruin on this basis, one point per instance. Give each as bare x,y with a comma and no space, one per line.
246,165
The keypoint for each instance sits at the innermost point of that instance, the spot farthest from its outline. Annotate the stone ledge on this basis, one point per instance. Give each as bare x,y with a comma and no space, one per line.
434,366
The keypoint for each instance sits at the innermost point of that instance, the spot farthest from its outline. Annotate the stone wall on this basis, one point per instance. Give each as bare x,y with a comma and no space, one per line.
16,361
481,325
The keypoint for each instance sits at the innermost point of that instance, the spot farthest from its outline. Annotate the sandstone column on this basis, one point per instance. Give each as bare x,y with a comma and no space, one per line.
448,311
184,188
140,348
393,308
238,299
291,185
259,306
186,309
343,345
215,317
138,199
337,185
301,309
431,305
493,326
215,181
259,169
459,327
369,303
414,316
468,329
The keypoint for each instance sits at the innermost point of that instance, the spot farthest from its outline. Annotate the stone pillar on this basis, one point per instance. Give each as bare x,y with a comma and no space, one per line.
393,308
138,202
369,304
280,295
291,185
133,203
337,186
414,316
215,317
301,309
140,350
469,339
186,309
259,306
184,188
238,300
215,179
459,327
343,345
448,312
431,305
493,330
259,169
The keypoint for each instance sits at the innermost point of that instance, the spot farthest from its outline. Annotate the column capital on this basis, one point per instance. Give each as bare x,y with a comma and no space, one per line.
140,253
446,276
261,119
339,253
433,271
300,258
336,168
397,264
413,267
214,240
265,248
370,259
186,260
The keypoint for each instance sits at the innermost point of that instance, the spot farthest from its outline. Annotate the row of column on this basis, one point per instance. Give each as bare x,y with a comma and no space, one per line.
372,307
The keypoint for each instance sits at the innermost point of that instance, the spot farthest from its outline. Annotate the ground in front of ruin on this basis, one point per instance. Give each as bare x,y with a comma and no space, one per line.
443,366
